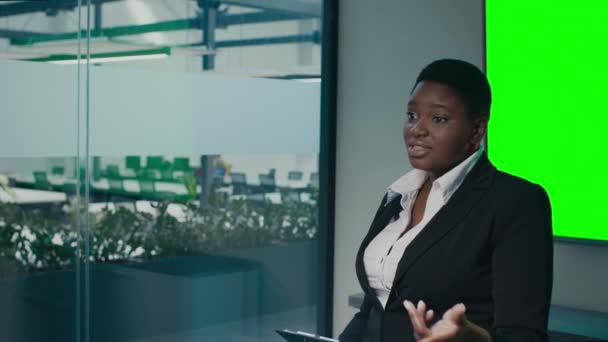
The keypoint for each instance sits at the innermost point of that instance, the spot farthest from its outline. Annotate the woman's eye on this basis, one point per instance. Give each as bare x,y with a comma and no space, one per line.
439,119
411,116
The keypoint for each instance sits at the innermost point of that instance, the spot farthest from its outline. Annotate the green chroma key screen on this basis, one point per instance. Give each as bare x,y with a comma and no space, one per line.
547,62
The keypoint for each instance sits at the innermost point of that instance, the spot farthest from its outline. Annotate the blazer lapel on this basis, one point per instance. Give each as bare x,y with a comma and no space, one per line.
382,218
453,212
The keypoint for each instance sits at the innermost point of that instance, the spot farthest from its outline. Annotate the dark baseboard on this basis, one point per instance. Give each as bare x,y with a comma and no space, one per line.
563,337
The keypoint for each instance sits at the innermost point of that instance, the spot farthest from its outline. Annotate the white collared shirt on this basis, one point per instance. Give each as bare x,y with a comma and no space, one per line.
384,252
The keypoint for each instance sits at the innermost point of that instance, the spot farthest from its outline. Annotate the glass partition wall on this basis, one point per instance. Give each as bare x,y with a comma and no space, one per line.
159,170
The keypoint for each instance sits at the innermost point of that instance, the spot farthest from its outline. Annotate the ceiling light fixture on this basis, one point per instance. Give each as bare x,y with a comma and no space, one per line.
106,57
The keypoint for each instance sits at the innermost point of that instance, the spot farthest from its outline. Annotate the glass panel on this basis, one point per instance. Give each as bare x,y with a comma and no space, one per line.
200,217
198,232
172,262
41,181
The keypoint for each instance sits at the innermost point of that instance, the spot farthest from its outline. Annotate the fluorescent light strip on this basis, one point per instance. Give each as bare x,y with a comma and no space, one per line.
308,80
112,59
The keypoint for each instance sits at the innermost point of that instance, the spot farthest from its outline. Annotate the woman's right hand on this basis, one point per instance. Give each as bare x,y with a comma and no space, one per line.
453,326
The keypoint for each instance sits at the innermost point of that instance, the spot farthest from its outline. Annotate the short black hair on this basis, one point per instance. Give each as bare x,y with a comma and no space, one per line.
467,79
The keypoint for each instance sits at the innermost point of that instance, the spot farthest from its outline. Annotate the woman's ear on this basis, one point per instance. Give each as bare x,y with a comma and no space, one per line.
480,128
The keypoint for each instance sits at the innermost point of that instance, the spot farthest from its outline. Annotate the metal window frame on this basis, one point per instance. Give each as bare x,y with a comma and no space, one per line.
327,164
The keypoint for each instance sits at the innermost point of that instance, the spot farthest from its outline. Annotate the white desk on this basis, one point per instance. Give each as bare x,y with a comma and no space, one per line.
54,180
129,185
29,196
289,183
273,197
282,182
132,185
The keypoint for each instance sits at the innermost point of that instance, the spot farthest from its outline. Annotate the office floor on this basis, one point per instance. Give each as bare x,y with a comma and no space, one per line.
257,329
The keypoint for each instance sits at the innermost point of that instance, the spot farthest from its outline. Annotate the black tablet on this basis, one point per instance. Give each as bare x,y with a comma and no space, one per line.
299,336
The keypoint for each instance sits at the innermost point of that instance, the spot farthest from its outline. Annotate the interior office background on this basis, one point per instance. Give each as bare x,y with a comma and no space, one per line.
372,87
201,219
382,47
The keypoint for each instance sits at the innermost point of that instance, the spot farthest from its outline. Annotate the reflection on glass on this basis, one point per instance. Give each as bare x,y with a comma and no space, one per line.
242,256
38,243
183,246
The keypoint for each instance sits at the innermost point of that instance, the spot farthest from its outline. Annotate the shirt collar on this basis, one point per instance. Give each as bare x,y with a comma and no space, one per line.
448,183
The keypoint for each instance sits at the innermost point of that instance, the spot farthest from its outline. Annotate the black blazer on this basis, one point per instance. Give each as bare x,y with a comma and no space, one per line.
490,247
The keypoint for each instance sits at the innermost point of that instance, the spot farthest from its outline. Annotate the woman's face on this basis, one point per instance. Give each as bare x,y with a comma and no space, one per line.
438,132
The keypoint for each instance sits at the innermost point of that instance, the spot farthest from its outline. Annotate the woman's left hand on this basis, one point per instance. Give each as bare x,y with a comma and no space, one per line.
453,326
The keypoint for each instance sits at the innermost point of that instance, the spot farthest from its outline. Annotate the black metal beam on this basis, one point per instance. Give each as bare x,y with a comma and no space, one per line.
327,166
97,21
109,32
300,38
295,77
35,6
26,38
208,26
292,6
49,6
4,33
225,20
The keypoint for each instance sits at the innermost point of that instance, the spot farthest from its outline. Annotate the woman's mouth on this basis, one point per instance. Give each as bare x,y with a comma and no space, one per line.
417,151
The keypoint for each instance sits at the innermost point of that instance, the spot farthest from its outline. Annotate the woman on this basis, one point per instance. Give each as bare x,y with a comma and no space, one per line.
454,235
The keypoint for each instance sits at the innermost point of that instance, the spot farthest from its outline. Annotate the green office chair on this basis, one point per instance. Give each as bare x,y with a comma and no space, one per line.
41,181
295,175
112,171
70,188
146,183
147,188
239,183
58,170
154,162
267,183
116,186
133,163
181,164
314,181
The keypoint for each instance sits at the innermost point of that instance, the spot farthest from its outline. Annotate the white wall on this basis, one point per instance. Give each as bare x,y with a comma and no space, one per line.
580,277
27,165
382,46
129,113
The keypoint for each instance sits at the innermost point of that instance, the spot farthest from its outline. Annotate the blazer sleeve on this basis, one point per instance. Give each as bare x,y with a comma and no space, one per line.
522,264
355,329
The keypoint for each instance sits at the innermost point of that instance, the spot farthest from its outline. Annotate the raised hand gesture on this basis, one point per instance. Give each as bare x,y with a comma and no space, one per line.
453,326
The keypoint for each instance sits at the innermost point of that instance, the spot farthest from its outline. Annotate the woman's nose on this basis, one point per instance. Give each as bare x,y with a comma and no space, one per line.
419,129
